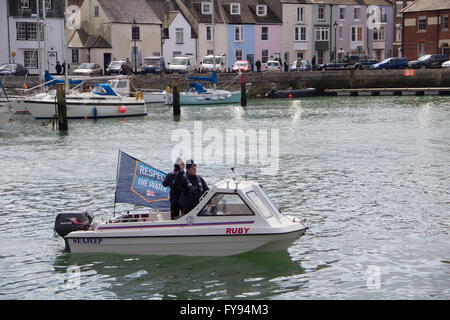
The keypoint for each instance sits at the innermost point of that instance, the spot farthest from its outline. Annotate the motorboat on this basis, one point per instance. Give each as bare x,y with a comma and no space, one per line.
6,112
102,102
197,94
234,216
291,93
122,86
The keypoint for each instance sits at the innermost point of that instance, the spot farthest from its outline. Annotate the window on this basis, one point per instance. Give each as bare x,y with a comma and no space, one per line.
264,56
226,205
422,23
176,53
48,4
341,32
341,13
299,33
321,13
322,34
238,36
445,21
235,8
357,13
398,32
179,33
320,57
24,4
264,33
356,34
209,52
206,8
96,11
378,34
300,14
75,56
31,59
383,15
238,54
208,33
300,55
135,33
261,10
29,31
262,206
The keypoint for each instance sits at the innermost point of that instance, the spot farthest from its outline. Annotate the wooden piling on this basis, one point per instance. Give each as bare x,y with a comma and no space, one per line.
243,90
62,108
176,98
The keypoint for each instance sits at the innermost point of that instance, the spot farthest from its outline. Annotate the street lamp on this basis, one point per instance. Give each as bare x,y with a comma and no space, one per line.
134,32
335,25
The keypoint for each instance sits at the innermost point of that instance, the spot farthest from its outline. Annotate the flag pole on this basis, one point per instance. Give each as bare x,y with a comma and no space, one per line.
117,177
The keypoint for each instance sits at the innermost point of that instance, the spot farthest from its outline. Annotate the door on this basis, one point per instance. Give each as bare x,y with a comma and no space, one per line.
250,59
106,61
52,57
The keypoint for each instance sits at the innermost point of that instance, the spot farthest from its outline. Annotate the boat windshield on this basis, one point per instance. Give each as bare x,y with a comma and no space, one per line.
179,61
262,206
210,60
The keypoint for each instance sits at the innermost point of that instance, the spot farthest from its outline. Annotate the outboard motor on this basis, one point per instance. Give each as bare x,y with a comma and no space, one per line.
65,223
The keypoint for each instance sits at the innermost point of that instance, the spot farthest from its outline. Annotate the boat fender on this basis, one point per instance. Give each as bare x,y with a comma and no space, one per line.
122,109
139,95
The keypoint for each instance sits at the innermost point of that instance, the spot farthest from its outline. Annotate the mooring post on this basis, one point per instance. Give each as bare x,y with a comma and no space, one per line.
243,90
176,98
62,109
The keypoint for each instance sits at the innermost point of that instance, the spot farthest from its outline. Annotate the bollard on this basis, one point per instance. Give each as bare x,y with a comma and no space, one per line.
62,108
176,98
243,91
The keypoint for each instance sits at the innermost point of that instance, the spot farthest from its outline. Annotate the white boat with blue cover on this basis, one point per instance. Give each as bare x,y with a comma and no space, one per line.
101,102
198,95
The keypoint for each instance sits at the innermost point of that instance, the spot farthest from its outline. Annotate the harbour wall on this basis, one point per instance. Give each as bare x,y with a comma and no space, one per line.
261,82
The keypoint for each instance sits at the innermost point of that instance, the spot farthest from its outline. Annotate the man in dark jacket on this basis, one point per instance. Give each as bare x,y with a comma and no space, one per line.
58,68
258,65
174,188
192,187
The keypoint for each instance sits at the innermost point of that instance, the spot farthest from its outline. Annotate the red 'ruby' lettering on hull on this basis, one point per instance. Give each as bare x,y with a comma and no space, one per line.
237,230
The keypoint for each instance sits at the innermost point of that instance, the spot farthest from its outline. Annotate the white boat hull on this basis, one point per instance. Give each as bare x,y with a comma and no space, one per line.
82,109
208,245
157,97
210,97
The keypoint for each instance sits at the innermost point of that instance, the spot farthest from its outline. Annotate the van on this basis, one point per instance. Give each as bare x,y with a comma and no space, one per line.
154,64
182,64
207,63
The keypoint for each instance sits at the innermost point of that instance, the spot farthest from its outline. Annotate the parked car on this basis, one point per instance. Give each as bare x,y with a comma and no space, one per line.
360,62
428,61
391,63
13,69
154,64
119,67
304,66
182,64
334,65
88,69
242,65
446,64
272,66
207,64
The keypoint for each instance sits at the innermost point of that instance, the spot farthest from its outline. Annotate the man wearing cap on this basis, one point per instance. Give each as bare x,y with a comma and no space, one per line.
192,187
178,169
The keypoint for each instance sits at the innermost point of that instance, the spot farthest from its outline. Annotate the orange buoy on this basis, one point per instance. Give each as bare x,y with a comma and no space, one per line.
123,109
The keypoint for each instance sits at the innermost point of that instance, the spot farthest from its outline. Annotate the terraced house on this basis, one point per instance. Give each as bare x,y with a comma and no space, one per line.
320,30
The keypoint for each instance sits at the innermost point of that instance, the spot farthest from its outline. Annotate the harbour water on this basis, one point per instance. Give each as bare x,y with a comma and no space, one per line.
369,174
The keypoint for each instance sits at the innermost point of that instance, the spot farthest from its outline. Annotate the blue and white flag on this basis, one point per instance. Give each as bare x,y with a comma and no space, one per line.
141,184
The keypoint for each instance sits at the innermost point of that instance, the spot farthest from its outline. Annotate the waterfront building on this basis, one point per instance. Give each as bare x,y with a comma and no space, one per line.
115,30
319,31
426,28
398,6
32,33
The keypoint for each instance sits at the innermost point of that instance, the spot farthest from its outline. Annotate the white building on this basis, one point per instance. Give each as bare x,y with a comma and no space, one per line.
37,48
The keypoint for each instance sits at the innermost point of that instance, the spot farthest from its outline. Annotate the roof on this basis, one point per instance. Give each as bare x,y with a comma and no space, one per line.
81,39
120,11
342,2
427,5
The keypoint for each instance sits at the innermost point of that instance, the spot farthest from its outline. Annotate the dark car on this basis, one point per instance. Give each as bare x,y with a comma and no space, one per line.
334,65
428,61
361,62
13,69
119,67
391,63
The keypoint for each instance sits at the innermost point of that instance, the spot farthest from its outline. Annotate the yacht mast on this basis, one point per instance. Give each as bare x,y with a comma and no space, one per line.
66,49
213,38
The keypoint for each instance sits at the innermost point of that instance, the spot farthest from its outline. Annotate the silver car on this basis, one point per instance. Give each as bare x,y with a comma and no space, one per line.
88,69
